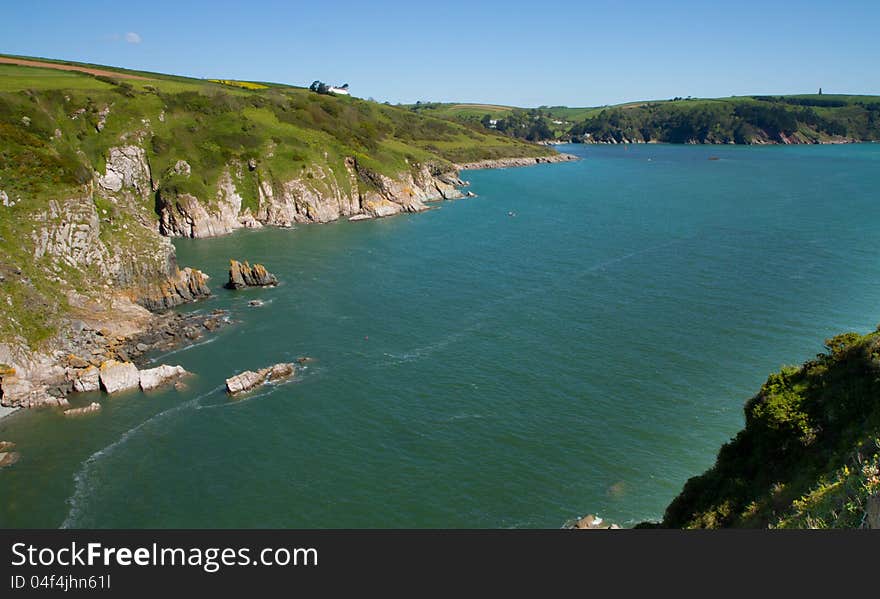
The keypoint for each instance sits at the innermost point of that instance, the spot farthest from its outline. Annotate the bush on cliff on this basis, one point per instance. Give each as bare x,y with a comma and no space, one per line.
808,455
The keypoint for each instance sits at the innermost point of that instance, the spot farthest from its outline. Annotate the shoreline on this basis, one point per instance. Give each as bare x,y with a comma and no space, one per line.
49,379
516,162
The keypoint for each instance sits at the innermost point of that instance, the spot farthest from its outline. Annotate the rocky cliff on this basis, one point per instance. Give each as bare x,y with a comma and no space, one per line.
95,262
320,195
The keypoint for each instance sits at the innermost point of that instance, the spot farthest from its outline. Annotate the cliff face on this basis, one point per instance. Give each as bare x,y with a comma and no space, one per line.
319,196
100,263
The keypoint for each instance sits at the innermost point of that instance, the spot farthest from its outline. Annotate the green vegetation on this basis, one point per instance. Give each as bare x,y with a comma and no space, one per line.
57,128
809,455
759,119
751,119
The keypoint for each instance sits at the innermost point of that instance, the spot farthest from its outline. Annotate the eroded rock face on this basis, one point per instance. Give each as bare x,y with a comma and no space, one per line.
249,379
119,376
127,167
185,286
183,215
156,377
321,194
87,379
69,230
242,275
22,393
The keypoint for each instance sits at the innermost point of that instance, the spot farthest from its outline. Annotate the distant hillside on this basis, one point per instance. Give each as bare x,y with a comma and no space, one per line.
741,120
809,455
755,119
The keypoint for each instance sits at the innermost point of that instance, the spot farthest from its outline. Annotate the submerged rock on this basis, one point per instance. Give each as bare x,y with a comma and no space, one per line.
249,379
591,522
8,458
89,409
242,274
155,377
119,376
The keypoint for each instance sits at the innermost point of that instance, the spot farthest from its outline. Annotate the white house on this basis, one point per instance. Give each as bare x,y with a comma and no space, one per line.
342,90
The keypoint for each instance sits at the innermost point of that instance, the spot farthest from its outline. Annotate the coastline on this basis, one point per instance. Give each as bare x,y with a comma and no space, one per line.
128,331
516,162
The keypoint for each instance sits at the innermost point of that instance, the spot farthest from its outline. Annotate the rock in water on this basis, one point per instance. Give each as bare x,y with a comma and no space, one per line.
89,409
249,379
8,458
242,275
154,377
591,522
119,376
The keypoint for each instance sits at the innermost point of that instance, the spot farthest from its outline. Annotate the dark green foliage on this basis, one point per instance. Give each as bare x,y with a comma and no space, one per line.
747,120
805,426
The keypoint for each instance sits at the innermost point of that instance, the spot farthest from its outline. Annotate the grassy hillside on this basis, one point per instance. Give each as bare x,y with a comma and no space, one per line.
748,119
809,455
57,127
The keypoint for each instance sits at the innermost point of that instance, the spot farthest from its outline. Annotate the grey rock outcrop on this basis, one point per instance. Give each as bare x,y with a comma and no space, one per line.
23,393
182,167
127,167
242,275
249,379
86,379
156,377
187,285
119,376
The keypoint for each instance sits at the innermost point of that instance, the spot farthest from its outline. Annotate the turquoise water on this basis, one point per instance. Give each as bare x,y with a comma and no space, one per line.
477,369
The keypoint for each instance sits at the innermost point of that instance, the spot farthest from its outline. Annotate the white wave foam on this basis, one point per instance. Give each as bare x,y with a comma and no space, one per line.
182,349
81,478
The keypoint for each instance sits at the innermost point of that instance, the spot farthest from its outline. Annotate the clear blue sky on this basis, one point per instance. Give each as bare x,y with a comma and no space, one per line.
522,53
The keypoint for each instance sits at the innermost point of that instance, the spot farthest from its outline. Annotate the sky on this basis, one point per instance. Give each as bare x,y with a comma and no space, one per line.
575,53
